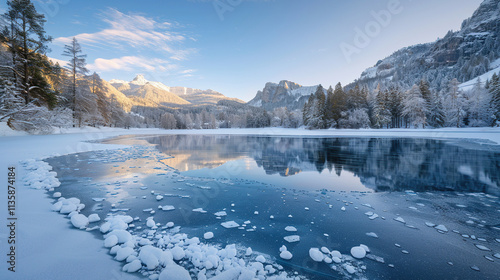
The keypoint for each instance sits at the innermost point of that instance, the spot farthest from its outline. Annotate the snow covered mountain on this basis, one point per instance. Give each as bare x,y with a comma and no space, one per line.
464,54
284,94
141,88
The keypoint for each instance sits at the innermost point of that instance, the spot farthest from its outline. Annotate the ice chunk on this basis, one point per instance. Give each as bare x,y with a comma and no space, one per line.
401,220
220,214
124,253
56,195
325,250
167,208
292,238
358,252
489,258
68,208
159,197
174,272
349,268
497,255
373,217
151,223
199,210
343,208
229,274
372,234
365,247
316,255
208,235
133,266
230,224
482,248
441,228
94,218
178,253
152,257
260,258
336,254
429,224
79,221
248,252
286,255
291,228
122,235
110,241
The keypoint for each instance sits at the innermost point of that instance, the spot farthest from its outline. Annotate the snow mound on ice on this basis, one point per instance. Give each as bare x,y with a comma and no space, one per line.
174,272
358,252
79,221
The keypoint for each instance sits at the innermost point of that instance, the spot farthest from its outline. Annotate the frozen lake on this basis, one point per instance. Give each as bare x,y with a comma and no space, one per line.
424,208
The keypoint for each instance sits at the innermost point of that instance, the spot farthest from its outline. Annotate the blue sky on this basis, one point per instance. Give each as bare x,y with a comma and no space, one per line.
236,46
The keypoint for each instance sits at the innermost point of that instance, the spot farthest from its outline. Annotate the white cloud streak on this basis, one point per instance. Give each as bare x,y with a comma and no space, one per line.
131,63
137,31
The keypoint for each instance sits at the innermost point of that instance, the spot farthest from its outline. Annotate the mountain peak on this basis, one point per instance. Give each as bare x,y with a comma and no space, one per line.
139,80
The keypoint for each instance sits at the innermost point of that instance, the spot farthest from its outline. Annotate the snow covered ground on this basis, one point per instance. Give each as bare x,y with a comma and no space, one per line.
48,247
494,69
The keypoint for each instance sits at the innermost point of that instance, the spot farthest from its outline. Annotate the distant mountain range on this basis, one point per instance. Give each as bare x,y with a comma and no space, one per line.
142,92
472,52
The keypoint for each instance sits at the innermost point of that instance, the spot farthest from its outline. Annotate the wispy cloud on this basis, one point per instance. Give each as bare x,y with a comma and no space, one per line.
137,31
131,63
62,63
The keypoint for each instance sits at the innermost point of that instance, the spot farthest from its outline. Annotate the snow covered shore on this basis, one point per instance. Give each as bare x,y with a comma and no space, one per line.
48,247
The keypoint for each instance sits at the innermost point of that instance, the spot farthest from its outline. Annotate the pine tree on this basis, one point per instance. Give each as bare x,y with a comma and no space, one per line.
436,111
329,108
168,121
307,110
454,105
494,89
415,107
480,111
426,93
27,42
97,88
382,114
395,104
339,104
319,112
76,67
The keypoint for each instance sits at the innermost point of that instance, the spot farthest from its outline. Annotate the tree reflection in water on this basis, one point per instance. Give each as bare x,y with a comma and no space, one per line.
383,164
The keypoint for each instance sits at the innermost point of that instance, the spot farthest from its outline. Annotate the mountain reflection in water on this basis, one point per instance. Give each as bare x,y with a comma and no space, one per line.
382,164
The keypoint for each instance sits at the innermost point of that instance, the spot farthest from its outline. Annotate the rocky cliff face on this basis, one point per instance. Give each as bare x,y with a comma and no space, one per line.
284,94
464,54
